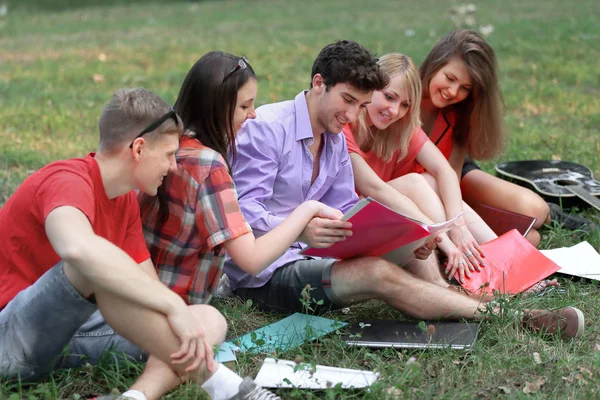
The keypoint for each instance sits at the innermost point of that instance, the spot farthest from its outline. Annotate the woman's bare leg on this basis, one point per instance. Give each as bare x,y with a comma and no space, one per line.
480,187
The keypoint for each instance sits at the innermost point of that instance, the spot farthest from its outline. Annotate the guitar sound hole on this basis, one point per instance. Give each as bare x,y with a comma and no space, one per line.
566,182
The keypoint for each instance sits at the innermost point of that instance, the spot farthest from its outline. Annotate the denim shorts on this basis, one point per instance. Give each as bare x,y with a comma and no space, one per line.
50,325
284,291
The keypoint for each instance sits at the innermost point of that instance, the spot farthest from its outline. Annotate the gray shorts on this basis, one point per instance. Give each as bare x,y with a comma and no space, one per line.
284,291
50,325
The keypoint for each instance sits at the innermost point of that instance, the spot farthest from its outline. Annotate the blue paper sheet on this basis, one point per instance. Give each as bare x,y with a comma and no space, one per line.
226,353
280,336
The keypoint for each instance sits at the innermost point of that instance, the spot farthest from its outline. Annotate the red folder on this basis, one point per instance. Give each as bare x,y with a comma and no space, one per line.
502,221
380,231
512,266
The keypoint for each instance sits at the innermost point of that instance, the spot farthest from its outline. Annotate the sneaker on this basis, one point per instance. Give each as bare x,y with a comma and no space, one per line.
570,221
568,321
249,390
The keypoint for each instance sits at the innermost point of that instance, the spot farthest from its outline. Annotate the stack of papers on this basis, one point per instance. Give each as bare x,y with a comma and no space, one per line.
581,260
288,374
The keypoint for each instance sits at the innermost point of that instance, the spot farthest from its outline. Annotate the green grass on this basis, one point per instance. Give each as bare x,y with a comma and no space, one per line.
548,55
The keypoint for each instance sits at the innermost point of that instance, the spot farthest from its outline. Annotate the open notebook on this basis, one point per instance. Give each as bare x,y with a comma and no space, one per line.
409,335
381,232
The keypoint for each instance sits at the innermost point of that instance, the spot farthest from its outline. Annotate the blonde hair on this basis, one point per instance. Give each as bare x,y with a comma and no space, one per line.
384,143
479,126
128,113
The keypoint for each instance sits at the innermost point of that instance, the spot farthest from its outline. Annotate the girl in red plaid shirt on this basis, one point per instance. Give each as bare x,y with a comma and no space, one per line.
195,218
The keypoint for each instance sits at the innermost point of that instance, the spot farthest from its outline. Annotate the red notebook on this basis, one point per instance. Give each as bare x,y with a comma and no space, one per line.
380,231
502,221
512,266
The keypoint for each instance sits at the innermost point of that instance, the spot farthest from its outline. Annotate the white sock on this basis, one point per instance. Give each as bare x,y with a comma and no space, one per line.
223,385
134,394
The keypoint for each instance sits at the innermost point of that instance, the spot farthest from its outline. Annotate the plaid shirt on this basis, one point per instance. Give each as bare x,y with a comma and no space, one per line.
203,214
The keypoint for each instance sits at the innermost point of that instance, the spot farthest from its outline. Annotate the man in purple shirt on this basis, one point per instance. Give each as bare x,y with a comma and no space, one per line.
293,152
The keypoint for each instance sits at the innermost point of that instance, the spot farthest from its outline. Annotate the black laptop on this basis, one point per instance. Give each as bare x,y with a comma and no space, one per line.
412,334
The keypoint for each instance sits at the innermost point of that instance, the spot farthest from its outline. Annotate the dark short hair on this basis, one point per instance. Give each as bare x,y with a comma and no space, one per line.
207,99
346,61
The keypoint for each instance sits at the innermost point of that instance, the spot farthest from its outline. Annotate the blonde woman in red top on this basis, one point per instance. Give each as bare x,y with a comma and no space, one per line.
387,145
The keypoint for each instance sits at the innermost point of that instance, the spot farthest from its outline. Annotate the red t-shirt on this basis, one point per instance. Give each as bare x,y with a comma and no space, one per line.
388,170
26,254
441,136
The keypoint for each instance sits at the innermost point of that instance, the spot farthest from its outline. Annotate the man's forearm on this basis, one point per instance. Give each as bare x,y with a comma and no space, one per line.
111,269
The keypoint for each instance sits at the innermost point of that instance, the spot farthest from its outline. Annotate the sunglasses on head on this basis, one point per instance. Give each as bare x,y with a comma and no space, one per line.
156,124
241,64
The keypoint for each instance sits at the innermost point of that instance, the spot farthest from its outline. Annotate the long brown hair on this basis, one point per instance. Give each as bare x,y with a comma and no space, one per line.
206,104
479,123
397,136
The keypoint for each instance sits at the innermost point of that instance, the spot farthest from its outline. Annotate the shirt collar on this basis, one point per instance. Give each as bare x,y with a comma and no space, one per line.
303,124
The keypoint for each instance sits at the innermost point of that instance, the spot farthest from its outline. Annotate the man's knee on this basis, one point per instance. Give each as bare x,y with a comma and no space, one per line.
213,322
380,271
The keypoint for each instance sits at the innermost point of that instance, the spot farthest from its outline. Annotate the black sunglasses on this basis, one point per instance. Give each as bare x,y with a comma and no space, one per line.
241,64
156,124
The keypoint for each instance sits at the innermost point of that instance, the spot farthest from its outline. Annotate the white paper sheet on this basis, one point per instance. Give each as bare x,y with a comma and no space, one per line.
579,260
281,374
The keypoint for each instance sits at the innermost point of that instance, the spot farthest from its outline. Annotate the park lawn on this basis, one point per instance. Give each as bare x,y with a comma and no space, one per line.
59,66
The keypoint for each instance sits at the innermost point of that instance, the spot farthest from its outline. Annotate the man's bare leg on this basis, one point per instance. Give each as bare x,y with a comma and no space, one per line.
427,270
368,278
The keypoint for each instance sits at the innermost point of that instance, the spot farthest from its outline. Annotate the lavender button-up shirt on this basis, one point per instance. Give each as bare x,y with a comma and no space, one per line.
273,170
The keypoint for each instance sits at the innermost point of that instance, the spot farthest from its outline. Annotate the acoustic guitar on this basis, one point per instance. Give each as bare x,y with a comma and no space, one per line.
561,182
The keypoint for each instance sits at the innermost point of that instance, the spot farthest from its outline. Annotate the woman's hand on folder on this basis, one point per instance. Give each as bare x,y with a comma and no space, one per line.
466,243
326,228
456,261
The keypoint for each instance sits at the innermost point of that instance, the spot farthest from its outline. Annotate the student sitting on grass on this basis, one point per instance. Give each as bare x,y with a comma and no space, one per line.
461,110
196,217
292,152
387,143
73,244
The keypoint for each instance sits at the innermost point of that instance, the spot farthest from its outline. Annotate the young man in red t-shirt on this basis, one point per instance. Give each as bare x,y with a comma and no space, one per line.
72,243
